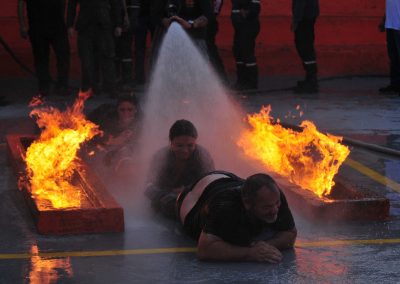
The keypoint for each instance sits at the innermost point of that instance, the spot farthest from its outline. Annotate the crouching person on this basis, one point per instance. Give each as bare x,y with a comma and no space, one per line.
237,220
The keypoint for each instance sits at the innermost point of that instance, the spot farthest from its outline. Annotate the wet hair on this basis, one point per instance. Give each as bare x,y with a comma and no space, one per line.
254,183
182,127
131,98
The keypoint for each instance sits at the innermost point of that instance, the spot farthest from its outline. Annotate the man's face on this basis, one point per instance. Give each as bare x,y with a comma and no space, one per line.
183,146
266,205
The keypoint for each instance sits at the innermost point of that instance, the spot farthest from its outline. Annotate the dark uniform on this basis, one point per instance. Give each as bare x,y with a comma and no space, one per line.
305,13
144,26
188,10
217,208
95,25
165,176
212,30
47,28
124,42
246,24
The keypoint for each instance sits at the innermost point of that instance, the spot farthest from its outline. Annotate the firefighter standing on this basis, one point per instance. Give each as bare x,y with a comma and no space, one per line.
212,30
246,24
96,23
305,13
130,13
144,27
391,23
192,15
47,29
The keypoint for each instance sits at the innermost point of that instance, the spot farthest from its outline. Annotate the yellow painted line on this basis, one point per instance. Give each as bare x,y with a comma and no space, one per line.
373,174
98,253
346,243
299,244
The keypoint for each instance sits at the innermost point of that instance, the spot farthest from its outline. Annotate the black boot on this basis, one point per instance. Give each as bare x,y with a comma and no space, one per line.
310,84
251,77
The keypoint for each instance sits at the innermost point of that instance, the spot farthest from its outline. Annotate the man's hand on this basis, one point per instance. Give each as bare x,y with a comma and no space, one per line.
185,24
166,22
263,252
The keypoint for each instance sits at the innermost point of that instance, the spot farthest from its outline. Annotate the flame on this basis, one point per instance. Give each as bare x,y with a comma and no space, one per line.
51,160
308,158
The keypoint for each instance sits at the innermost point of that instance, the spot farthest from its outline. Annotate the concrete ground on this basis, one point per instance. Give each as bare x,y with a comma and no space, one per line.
154,250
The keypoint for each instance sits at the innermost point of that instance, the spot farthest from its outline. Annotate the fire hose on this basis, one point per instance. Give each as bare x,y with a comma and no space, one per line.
353,142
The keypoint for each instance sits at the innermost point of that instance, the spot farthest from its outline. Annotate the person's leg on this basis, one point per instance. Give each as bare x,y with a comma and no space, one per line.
125,56
216,61
394,55
249,35
140,49
86,56
105,43
236,49
61,48
393,49
304,41
41,52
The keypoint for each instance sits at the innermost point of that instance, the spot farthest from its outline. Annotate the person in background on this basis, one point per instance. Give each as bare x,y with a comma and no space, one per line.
246,25
97,23
46,28
391,23
145,26
175,167
120,125
212,30
237,220
305,13
192,15
123,44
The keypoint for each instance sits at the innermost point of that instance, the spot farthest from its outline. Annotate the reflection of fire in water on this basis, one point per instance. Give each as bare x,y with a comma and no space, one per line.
316,264
46,271
309,158
51,160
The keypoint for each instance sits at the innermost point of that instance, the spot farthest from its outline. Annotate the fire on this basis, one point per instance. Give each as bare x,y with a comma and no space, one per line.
308,158
51,160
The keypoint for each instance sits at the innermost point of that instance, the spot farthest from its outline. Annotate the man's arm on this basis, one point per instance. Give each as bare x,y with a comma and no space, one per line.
283,240
211,247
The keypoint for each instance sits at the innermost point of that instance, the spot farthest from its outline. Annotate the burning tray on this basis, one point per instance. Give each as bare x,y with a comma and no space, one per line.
345,203
98,213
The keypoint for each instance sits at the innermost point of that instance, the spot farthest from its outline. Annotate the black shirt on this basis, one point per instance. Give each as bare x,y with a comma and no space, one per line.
222,214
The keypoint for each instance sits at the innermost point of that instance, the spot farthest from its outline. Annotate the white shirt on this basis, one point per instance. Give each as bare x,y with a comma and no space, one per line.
392,14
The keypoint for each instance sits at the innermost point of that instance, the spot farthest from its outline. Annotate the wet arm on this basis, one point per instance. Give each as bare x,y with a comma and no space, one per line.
211,247
283,240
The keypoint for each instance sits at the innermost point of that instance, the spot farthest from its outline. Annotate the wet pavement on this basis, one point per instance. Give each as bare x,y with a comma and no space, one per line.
154,250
